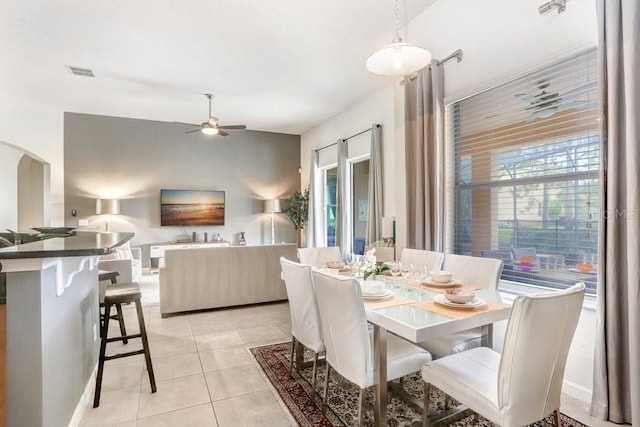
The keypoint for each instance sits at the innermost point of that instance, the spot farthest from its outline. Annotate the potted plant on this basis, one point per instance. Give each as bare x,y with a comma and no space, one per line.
297,210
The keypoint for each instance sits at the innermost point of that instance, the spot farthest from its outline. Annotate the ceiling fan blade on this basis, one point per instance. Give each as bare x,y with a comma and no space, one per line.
190,124
192,131
232,127
524,96
222,133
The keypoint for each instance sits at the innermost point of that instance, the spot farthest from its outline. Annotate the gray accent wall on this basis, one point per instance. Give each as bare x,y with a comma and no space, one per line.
132,160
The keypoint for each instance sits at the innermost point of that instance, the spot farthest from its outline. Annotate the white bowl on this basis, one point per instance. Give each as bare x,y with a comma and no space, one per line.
459,296
441,276
372,287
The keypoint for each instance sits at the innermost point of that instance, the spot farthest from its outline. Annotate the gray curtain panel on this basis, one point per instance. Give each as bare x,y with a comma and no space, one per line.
343,204
314,221
424,158
616,388
374,219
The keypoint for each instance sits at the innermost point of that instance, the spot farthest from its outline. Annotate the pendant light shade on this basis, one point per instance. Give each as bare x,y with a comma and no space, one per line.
398,58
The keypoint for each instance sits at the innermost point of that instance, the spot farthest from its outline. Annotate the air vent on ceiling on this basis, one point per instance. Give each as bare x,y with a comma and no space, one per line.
79,71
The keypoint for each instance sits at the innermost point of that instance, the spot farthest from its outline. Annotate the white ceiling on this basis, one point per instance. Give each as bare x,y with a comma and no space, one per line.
274,65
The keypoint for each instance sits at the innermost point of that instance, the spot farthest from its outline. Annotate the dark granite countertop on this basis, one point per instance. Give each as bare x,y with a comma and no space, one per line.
81,243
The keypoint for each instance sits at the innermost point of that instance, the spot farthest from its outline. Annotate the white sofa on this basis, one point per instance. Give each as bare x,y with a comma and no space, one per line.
203,278
127,262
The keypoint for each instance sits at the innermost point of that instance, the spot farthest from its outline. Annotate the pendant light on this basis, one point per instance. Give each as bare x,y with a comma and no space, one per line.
398,58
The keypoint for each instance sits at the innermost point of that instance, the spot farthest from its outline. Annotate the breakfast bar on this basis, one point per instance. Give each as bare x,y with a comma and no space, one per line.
52,325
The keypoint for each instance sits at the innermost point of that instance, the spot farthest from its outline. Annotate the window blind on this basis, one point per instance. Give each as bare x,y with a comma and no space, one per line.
522,165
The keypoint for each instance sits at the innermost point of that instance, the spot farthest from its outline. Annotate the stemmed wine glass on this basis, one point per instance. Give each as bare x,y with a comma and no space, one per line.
358,262
349,261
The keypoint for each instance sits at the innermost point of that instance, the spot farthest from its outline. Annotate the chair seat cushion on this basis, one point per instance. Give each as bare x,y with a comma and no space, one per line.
403,358
454,343
472,377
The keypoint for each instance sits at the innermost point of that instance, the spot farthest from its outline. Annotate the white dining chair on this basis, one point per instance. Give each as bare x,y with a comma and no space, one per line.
523,385
318,257
305,320
431,260
349,343
475,271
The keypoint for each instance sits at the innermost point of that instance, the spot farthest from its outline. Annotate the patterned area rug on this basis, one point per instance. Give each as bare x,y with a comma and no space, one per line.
306,407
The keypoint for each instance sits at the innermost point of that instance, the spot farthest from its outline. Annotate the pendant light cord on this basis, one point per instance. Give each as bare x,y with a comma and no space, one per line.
397,38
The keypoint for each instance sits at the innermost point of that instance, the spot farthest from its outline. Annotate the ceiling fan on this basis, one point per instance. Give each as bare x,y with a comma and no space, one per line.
211,126
545,104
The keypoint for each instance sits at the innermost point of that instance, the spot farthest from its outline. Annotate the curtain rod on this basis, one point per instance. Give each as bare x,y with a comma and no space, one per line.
457,54
347,138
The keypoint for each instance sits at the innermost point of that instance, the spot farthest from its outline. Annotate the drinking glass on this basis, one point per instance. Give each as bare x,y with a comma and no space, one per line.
358,263
407,273
420,273
349,262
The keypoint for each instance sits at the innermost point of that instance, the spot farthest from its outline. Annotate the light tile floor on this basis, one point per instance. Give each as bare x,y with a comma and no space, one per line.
205,374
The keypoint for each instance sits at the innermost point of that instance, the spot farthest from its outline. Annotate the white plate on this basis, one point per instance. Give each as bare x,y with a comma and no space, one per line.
385,294
430,282
476,302
335,264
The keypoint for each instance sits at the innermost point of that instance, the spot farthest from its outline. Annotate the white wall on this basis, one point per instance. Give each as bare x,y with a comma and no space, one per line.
9,158
377,108
38,130
501,39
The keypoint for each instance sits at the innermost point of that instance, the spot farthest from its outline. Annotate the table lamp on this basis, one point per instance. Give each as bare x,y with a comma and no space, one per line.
107,207
272,206
389,230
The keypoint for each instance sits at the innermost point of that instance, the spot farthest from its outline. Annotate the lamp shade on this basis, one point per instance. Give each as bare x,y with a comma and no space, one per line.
107,206
388,225
272,206
398,59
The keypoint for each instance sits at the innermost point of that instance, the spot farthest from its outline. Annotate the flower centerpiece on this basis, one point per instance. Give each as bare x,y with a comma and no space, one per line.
371,266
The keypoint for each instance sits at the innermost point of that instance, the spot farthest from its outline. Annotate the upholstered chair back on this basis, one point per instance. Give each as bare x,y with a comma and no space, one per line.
537,341
429,259
344,326
475,271
305,319
318,257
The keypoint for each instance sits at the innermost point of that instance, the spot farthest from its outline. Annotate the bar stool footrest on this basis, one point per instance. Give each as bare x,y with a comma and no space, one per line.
125,337
120,355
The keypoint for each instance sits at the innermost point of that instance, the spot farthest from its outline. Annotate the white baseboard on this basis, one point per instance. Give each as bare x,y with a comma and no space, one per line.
87,396
577,391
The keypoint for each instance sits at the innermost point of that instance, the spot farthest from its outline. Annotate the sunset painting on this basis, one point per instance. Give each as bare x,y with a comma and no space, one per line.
191,207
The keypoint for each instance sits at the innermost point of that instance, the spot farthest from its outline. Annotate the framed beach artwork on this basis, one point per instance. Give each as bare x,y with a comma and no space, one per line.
191,207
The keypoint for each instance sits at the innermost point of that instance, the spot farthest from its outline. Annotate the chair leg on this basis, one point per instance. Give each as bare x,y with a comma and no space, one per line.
123,330
361,407
145,346
427,402
103,350
326,386
315,372
293,350
556,417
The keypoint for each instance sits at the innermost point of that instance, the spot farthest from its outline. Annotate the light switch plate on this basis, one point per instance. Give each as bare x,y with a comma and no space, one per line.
83,222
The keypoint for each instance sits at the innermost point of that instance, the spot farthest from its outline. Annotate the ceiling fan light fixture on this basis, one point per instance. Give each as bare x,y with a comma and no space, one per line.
398,58
209,131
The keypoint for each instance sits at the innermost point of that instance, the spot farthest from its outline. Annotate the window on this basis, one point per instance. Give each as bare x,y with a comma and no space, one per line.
523,162
330,186
360,203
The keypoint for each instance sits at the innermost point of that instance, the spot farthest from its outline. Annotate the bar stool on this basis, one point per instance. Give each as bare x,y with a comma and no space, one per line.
111,276
122,293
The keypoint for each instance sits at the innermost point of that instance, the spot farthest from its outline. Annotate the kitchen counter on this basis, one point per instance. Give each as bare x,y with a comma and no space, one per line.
52,322
80,243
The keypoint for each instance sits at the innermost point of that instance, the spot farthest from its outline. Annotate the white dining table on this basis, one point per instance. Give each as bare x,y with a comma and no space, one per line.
417,324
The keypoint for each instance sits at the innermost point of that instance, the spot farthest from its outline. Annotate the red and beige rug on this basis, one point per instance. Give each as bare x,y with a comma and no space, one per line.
307,408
